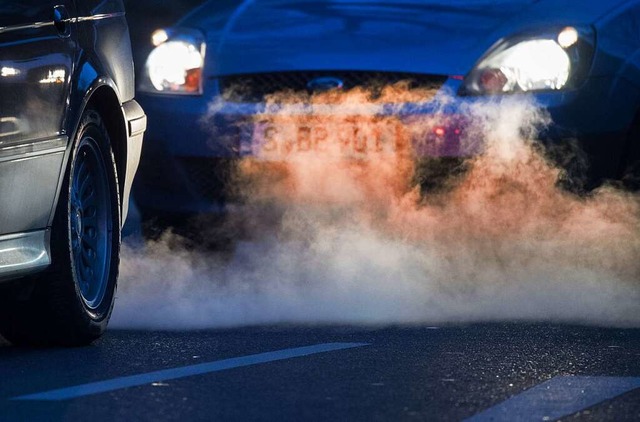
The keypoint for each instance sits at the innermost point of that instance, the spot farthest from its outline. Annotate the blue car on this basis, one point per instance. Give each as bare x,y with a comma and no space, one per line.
224,59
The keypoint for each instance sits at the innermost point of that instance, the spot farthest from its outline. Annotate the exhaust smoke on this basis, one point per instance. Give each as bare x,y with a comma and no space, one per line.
341,224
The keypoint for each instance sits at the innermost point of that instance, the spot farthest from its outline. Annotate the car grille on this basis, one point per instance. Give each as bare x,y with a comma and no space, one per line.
255,87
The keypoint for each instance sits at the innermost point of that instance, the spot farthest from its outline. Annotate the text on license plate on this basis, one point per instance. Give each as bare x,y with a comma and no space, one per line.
272,140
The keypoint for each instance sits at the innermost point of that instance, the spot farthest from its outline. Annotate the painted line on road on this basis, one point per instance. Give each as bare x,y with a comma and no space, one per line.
558,397
185,371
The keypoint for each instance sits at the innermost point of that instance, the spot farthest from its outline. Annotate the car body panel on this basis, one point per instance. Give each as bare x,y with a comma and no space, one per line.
27,189
105,46
52,68
36,61
618,53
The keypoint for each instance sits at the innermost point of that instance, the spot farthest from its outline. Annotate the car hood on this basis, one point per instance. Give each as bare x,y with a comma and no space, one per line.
445,37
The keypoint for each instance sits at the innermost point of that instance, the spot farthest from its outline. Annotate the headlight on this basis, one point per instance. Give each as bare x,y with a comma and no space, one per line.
549,62
175,65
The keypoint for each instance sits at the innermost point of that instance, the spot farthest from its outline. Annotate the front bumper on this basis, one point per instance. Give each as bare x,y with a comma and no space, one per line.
136,121
192,139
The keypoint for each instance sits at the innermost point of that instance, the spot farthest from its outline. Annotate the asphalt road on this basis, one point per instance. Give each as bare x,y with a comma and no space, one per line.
490,371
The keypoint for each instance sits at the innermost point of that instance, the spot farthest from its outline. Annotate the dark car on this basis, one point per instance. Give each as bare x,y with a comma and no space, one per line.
579,61
70,141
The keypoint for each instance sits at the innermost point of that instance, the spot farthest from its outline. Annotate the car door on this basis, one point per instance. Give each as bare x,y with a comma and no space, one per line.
37,52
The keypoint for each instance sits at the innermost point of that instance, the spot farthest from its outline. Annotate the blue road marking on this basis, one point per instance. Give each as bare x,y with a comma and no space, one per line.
558,397
185,371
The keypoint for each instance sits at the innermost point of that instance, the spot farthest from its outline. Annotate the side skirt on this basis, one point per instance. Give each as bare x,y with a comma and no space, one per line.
24,253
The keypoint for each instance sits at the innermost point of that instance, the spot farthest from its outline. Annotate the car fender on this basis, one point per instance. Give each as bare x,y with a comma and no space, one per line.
93,94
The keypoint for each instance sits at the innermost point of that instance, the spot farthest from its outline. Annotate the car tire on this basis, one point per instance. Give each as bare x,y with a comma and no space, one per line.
71,303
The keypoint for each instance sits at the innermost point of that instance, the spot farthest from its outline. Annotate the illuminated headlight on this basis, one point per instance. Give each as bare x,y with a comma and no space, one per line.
551,62
175,65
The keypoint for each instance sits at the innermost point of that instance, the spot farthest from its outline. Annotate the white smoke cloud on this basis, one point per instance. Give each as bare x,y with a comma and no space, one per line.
358,243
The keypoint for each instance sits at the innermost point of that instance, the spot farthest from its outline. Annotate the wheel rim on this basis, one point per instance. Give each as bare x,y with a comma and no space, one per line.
90,223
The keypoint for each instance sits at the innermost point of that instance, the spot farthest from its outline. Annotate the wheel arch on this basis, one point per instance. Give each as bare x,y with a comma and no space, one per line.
102,96
105,101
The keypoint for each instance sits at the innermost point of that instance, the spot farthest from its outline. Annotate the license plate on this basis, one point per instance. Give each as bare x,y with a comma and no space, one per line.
355,139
